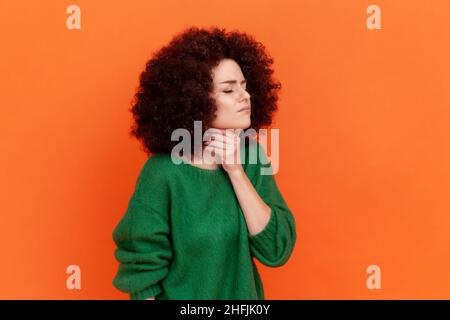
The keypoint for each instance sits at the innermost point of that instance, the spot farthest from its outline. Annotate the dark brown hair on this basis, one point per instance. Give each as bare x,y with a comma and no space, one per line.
174,89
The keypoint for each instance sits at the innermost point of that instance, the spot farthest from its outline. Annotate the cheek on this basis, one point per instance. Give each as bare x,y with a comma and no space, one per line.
225,113
225,102
225,107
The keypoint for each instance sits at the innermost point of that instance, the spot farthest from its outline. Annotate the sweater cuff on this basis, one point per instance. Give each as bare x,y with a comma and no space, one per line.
266,237
149,292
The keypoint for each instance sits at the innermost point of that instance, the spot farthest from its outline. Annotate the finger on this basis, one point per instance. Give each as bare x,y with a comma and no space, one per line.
216,144
217,151
232,133
222,138
211,155
213,131
238,132
225,143
225,132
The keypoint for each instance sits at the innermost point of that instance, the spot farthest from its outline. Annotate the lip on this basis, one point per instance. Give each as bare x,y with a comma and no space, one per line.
244,109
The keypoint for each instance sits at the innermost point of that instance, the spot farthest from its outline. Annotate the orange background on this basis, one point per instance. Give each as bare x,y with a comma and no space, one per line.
364,124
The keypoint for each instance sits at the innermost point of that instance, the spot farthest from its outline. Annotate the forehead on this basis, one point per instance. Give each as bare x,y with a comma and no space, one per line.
226,70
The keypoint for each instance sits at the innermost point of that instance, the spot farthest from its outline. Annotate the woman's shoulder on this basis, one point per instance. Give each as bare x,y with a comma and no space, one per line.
157,161
156,168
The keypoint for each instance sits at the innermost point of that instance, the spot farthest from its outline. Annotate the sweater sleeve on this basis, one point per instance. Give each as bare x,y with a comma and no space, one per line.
274,244
142,237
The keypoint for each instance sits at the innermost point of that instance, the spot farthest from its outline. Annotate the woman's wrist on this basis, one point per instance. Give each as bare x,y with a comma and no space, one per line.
236,173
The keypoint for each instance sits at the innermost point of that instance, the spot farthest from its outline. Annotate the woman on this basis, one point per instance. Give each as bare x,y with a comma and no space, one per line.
191,230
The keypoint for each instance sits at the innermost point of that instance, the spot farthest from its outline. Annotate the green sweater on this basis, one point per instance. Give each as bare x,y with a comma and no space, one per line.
184,235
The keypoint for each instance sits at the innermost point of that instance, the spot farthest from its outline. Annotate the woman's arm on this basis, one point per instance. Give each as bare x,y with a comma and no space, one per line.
256,211
142,236
271,225
226,144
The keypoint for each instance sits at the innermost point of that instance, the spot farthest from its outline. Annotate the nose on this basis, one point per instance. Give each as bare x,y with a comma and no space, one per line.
244,95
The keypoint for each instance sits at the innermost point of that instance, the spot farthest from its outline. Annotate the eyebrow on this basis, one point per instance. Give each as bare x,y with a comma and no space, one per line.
233,81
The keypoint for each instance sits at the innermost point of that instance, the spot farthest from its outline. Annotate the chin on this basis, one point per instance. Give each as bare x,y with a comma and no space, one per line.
246,124
235,125
241,126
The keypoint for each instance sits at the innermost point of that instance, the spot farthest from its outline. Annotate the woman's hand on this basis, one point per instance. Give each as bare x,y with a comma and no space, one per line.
226,146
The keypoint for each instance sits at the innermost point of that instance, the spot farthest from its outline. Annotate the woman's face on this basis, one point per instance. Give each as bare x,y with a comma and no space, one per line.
231,96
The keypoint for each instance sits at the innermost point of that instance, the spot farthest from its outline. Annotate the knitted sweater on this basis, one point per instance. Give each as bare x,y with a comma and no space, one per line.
184,235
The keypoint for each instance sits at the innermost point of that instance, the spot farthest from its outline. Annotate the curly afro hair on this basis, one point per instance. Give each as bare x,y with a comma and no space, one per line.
174,89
